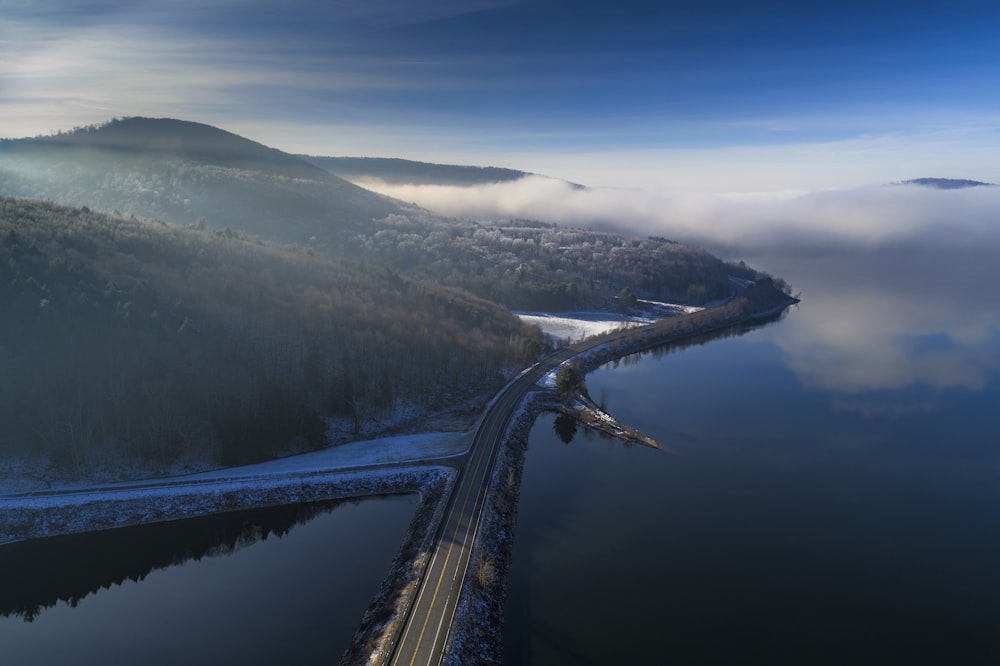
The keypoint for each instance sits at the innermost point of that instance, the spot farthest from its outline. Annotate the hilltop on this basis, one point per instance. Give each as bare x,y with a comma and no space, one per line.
398,171
187,173
945,183
167,137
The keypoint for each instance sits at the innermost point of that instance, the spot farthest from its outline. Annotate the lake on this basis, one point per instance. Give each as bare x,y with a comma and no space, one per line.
830,492
285,585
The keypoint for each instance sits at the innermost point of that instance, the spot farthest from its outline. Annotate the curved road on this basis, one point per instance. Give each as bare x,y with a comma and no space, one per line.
426,630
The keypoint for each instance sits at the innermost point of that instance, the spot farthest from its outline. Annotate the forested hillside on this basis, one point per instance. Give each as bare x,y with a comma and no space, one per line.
195,175
124,337
531,265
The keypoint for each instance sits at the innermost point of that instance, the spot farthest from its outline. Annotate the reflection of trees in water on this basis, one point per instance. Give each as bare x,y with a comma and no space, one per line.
697,340
35,575
565,427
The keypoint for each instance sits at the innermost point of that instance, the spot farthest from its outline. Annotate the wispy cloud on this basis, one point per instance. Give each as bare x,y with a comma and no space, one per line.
51,73
698,99
906,275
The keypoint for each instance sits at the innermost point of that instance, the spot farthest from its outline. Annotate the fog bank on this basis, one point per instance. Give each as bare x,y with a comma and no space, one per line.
870,215
898,282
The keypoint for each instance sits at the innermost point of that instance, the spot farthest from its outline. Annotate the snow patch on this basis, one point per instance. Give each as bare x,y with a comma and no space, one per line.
35,516
576,326
28,475
355,469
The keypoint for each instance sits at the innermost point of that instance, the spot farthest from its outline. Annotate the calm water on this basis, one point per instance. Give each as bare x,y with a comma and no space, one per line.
831,492
279,586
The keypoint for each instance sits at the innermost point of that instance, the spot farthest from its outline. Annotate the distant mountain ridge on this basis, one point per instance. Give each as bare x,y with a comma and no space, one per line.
397,171
945,183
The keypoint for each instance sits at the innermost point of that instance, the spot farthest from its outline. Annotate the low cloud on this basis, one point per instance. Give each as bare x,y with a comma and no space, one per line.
869,215
898,282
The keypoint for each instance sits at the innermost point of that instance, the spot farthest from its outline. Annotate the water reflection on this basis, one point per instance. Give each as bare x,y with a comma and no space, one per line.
35,575
222,590
891,318
833,498
783,532
565,427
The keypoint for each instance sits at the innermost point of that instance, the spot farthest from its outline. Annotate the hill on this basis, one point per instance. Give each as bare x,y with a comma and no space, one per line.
195,175
166,137
127,339
187,173
945,183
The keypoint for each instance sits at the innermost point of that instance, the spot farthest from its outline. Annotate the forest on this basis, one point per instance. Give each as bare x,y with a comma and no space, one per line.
130,338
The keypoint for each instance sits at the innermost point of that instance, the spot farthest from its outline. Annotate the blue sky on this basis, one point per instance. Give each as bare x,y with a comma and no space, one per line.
715,95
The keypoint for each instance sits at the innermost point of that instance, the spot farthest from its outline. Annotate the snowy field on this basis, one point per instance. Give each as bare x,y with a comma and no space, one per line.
364,453
579,325
576,326
350,470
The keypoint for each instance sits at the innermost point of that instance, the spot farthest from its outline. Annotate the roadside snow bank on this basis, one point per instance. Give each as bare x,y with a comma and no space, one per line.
29,517
382,451
476,635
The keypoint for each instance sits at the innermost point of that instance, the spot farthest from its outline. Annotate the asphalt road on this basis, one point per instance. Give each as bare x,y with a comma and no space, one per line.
426,630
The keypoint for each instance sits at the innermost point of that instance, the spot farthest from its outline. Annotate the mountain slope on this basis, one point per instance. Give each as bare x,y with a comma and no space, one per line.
128,338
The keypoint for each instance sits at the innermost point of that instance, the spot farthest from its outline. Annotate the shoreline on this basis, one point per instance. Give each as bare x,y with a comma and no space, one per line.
33,517
476,635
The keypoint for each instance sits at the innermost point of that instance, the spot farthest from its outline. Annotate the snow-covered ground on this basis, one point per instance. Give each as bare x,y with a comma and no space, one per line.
385,450
579,325
364,453
576,326
344,471
668,309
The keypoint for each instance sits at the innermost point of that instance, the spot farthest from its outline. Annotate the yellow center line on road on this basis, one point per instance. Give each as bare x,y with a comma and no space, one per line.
444,567
504,404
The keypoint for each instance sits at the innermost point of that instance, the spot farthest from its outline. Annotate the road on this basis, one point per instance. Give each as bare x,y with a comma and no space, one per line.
424,635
